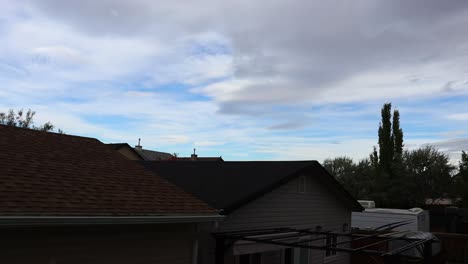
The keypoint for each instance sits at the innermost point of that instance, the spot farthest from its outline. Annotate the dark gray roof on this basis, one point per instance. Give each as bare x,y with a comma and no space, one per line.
228,185
153,155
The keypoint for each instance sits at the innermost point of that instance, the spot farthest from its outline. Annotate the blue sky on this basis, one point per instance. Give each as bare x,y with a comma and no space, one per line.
263,80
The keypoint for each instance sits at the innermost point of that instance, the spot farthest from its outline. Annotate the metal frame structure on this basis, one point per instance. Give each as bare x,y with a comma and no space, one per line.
294,238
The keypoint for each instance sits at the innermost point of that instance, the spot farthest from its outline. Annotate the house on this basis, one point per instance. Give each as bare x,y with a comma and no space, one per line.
127,151
152,154
199,158
194,157
255,196
69,199
138,153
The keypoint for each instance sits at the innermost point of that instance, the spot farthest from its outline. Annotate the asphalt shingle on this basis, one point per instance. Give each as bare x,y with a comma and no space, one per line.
49,174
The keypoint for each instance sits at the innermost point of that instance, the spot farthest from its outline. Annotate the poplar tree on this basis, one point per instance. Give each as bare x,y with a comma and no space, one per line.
386,140
397,135
390,139
390,169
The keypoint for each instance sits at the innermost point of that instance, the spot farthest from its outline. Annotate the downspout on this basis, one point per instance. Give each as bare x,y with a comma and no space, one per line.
195,251
195,244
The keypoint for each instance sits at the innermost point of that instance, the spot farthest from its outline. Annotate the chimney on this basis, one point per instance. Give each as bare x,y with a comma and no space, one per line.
193,156
138,147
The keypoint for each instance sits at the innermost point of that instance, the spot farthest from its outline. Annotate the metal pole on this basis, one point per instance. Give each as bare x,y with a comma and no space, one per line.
219,256
428,252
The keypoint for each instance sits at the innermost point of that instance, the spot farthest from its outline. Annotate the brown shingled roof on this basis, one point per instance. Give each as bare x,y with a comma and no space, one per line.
49,174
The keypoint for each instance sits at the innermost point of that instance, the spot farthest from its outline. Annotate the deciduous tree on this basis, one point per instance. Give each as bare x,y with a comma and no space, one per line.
24,119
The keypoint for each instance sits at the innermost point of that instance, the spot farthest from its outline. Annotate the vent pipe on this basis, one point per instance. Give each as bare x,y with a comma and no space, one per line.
139,147
194,156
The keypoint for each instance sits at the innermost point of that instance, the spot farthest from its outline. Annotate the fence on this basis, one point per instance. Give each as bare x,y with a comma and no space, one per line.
455,246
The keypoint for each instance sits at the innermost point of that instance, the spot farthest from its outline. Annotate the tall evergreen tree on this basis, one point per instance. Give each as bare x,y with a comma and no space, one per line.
386,144
390,168
374,159
390,139
397,135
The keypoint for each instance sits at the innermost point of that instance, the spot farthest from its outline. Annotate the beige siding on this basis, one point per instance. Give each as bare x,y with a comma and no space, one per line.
161,244
287,207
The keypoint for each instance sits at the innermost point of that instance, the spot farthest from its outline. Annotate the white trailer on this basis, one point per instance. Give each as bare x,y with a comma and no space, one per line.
417,219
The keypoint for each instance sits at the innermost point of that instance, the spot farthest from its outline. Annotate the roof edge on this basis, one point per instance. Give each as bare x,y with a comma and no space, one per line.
22,221
347,198
47,132
121,145
266,190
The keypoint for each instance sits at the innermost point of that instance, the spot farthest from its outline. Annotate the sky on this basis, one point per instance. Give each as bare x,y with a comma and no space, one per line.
245,80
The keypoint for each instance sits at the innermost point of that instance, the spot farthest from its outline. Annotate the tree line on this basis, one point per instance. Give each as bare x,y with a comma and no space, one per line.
24,119
391,176
398,178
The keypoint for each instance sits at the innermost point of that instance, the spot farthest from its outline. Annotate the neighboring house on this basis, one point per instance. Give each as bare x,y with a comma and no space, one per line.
152,155
69,199
127,151
194,157
265,195
138,153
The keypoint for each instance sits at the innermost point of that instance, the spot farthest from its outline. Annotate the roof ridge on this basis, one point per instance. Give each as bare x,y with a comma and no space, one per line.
250,161
46,132
52,174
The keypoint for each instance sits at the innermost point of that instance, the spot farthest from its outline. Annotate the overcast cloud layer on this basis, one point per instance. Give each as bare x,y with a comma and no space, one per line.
242,79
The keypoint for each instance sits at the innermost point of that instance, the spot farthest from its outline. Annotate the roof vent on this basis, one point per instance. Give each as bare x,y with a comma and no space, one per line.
194,156
139,147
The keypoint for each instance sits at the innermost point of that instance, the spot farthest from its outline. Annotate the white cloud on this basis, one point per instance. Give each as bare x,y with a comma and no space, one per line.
458,116
59,53
276,55
309,150
207,143
47,51
174,139
270,79
452,147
